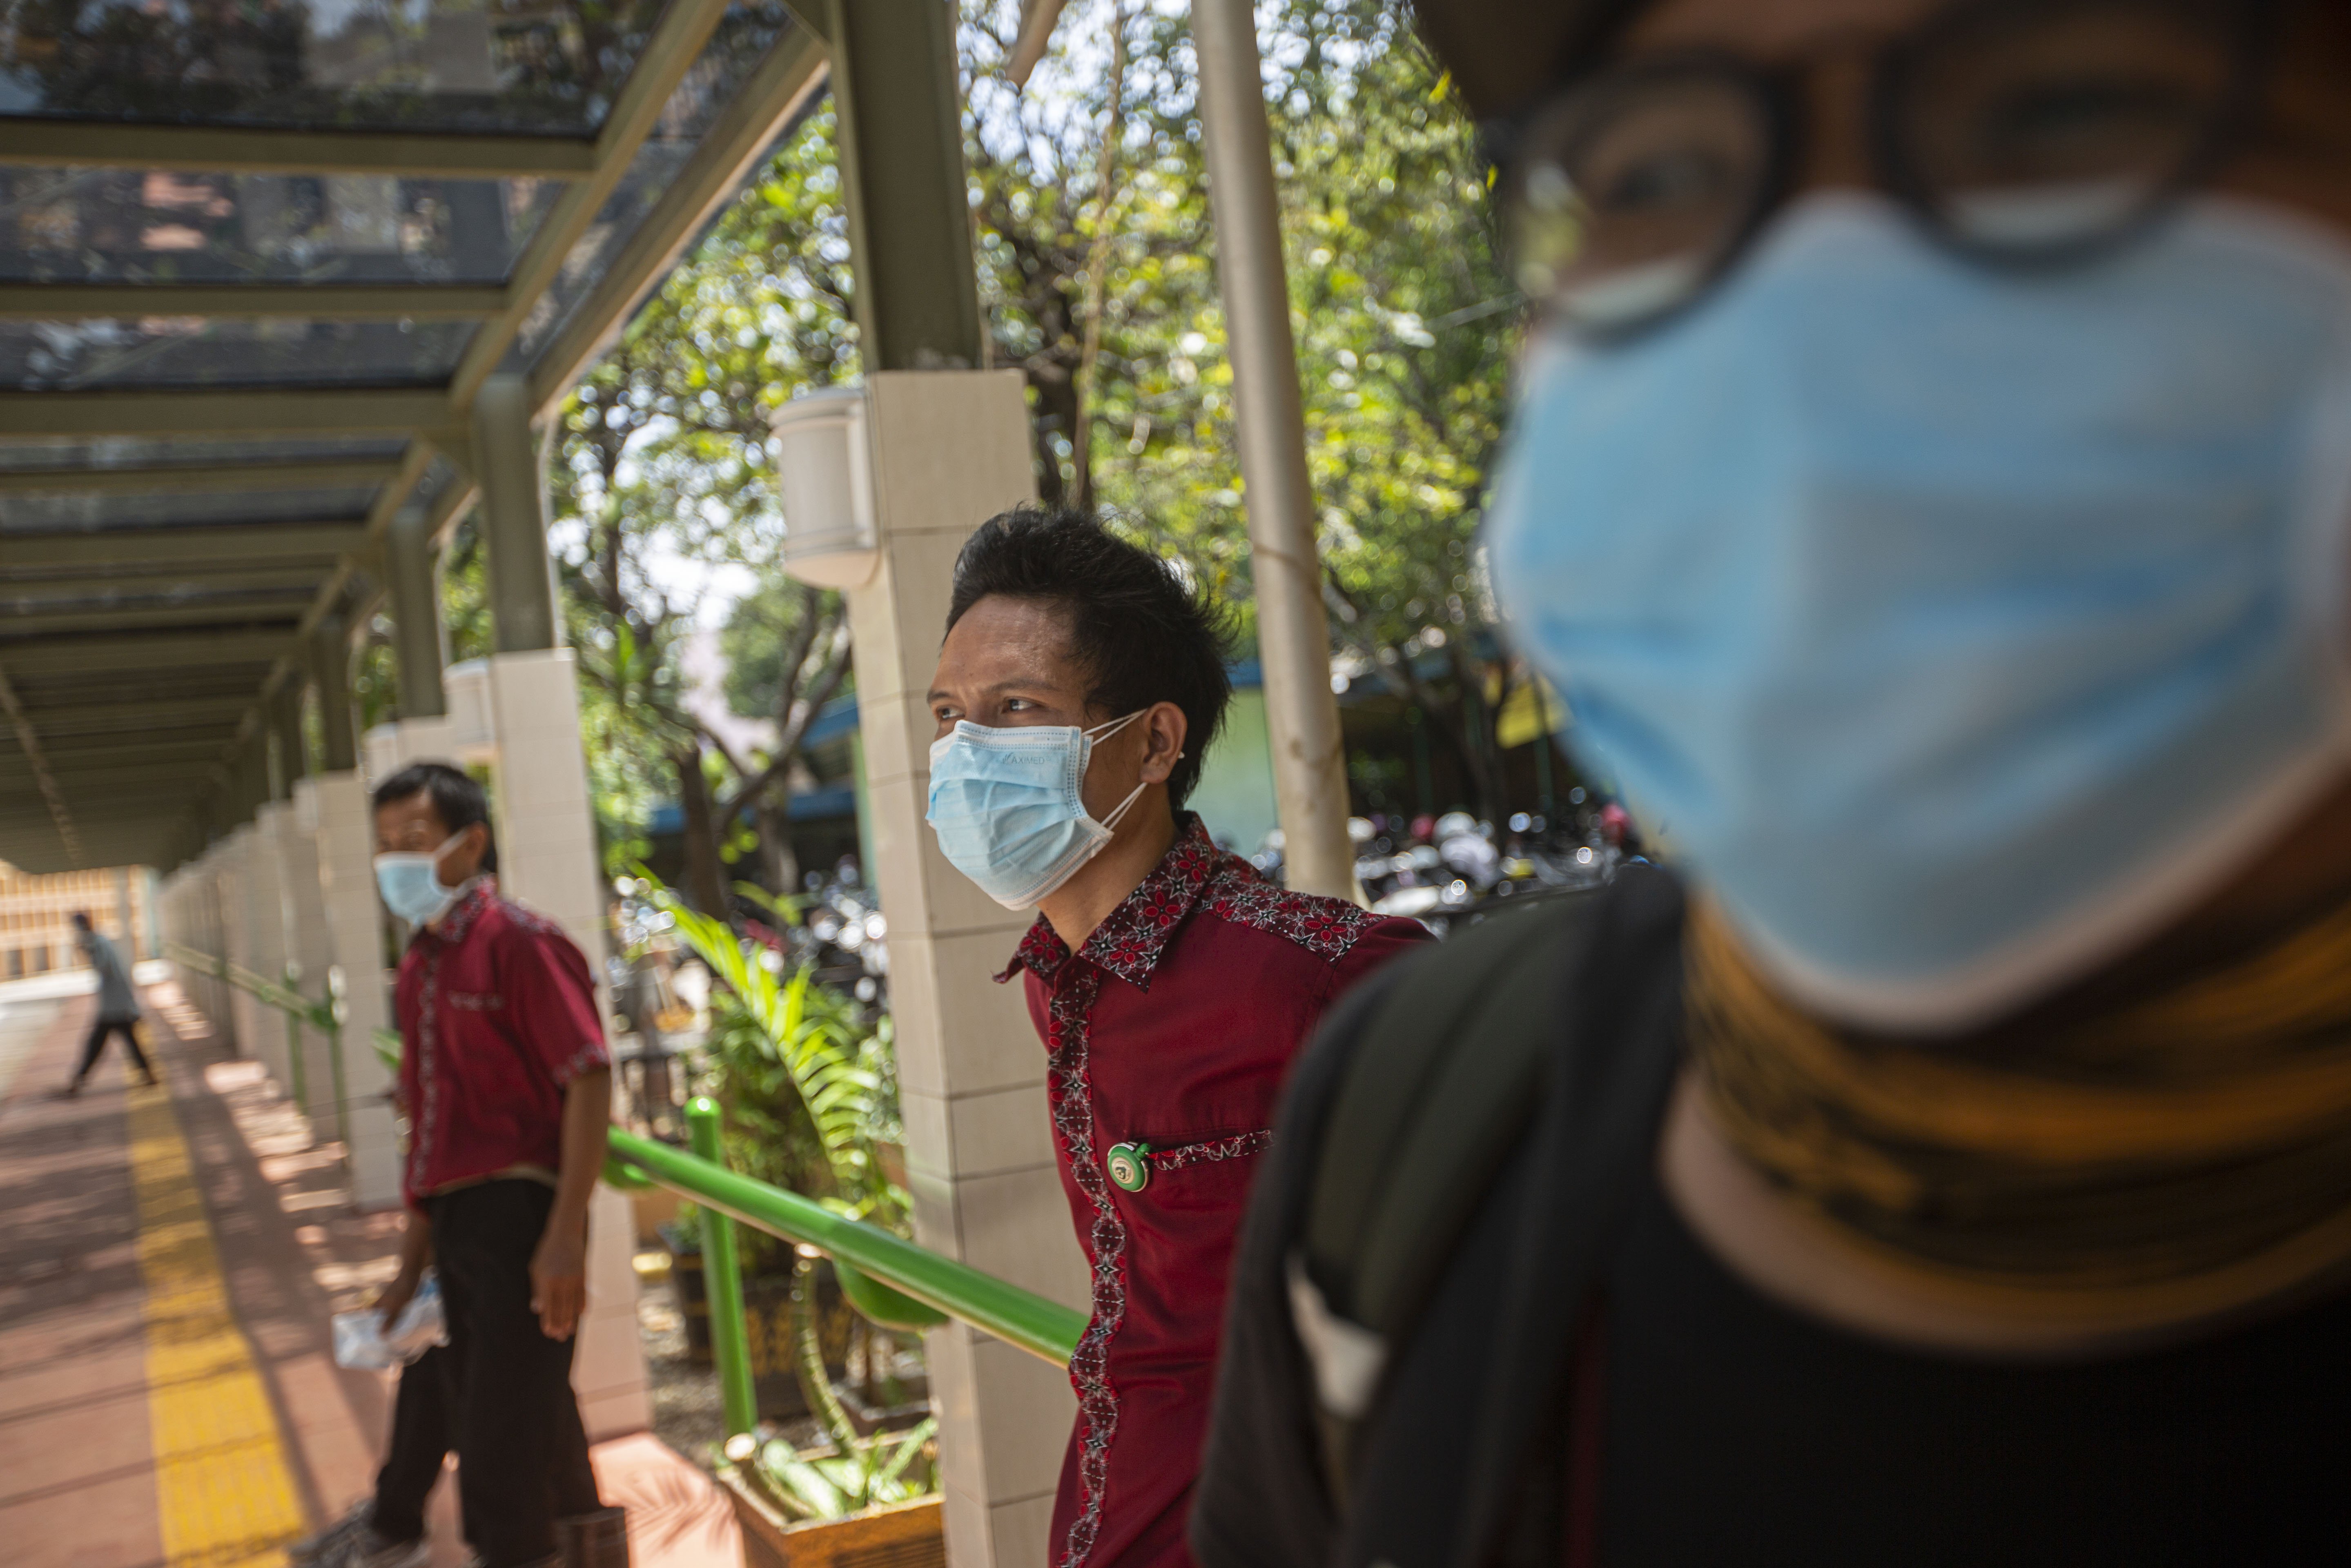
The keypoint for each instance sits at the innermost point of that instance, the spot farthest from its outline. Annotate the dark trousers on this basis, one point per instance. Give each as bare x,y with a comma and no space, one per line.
424,1430
129,1029
522,1454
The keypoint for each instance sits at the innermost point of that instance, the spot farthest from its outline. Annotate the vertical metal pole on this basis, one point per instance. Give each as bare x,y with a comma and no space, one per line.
1310,770
330,667
899,115
513,520
416,641
290,753
722,1281
295,1068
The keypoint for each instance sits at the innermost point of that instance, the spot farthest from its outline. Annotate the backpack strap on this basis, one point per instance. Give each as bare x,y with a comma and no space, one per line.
1435,1472
1441,1082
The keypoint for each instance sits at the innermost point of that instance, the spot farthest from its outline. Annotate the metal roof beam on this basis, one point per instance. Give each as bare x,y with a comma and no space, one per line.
171,651
235,611
249,301
202,576
30,743
106,743
260,150
261,543
100,723
778,89
685,25
118,760
309,411
196,479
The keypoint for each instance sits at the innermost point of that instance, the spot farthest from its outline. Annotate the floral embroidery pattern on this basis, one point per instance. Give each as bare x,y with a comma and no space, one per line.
1195,874
1233,1148
1325,926
428,1039
1070,1092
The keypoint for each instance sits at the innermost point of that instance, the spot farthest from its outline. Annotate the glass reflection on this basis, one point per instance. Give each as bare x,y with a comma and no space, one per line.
159,225
450,65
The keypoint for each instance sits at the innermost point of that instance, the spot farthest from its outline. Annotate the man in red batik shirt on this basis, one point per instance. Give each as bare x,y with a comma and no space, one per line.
508,1084
1080,683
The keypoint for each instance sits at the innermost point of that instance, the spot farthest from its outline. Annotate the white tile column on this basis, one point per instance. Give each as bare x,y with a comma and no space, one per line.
310,945
389,748
346,855
237,938
265,935
949,450
547,859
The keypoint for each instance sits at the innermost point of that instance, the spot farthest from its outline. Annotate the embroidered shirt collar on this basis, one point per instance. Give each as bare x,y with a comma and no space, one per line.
453,926
1130,939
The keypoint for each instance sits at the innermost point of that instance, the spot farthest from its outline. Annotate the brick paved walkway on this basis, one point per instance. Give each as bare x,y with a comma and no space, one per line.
169,1260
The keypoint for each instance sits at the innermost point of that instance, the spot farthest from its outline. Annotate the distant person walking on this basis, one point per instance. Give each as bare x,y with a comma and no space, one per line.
118,1004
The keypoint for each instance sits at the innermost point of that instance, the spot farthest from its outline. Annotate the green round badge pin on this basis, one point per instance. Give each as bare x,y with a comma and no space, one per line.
1129,1166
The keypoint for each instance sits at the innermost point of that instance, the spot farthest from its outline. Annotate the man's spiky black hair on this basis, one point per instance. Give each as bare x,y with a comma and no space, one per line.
1141,632
458,799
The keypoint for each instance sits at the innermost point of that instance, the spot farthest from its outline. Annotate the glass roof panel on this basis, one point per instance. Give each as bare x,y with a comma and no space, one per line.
158,225
158,352
746,35
143,451
78,509
544,66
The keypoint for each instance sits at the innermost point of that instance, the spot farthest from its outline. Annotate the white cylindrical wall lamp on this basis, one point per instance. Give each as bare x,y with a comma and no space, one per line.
825,480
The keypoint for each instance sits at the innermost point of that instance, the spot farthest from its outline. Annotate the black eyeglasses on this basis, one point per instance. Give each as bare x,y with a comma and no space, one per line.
2019,132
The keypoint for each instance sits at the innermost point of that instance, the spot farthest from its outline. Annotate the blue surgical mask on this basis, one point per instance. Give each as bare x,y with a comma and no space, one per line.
1005,804
410,881
1958,628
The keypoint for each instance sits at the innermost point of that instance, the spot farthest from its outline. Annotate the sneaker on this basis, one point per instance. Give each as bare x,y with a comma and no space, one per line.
330,1540
366,1549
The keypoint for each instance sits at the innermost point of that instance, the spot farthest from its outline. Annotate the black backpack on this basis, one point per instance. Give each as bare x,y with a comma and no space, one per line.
1454,1154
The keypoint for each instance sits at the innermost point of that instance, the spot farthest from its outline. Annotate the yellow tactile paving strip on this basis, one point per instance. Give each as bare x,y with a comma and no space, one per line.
223,1487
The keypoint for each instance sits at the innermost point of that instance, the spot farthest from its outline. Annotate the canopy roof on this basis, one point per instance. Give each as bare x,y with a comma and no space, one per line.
257,259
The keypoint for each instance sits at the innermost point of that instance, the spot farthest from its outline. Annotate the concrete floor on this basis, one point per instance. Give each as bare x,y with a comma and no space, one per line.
169,1260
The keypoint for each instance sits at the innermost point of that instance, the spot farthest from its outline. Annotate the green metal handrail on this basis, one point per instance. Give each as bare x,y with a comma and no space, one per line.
324,1015
886,1277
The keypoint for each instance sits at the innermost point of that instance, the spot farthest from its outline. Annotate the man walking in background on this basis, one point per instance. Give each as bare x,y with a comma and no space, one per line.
118,1004
509,1086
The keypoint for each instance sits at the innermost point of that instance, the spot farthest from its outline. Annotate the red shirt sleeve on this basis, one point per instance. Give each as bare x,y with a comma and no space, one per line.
551,999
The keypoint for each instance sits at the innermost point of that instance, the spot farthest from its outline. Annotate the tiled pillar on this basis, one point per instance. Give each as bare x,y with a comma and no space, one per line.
265,915
310,943
547,839
237,938
389,748
547,859
949,450
346,853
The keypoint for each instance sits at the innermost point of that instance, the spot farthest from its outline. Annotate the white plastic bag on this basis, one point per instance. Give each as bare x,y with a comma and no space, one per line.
361,1344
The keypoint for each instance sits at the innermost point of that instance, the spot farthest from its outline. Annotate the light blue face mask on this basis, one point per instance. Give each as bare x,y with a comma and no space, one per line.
1005,804
410,881
1958,628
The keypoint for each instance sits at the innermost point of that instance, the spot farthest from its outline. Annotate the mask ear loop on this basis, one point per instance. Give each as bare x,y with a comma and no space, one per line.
1119,810
1103,731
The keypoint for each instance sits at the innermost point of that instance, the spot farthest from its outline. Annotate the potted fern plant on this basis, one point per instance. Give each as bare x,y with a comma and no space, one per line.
810,1092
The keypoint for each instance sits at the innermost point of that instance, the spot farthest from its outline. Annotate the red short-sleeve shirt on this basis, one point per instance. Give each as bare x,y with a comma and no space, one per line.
1168,1036
498,1016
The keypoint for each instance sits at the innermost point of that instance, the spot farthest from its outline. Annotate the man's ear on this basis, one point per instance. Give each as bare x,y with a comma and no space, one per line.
1164,730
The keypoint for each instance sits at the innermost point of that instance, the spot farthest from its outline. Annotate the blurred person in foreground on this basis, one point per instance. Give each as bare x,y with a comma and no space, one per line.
1080,684
507,1082
118,1006
1930,488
